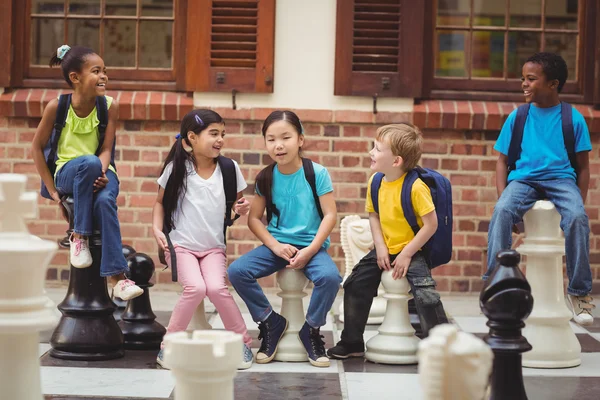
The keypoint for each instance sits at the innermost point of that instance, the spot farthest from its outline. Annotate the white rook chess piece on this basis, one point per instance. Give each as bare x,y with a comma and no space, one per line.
396,342
454,365
292,283
547,329
24,310
199,322
357,241
204,364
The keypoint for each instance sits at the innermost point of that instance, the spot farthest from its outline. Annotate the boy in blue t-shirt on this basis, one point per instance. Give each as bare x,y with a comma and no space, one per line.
544,171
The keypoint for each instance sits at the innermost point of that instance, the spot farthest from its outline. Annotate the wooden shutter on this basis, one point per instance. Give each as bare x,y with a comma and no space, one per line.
5,42
379,48
230,45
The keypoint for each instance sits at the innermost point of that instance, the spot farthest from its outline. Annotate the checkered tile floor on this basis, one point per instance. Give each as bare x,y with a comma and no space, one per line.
137,377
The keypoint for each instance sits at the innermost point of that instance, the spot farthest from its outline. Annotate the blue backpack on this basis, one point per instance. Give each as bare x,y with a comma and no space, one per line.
438,250
50,155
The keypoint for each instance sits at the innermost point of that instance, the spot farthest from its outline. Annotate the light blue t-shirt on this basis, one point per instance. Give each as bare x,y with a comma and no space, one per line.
543,152
299,219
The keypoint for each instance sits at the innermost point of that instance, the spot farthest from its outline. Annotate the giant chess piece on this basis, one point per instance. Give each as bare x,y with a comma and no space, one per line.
396,342
120,303
454,365
548,323
292,283
506,301
23,306
87,329
138,322
204,365
199,322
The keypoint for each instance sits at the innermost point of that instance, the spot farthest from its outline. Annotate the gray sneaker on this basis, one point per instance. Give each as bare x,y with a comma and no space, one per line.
248,357
160,360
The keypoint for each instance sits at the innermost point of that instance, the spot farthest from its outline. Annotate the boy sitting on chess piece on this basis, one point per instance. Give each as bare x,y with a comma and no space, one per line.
397,150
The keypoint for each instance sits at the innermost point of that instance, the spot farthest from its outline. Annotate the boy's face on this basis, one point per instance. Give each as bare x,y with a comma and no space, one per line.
382,158
536,87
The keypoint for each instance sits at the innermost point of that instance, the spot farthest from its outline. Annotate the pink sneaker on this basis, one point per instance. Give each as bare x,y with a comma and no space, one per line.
79,253
126,289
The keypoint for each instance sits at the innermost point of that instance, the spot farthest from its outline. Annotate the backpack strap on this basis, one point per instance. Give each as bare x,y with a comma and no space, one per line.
514,150
309,173
102,112
173,257
569,132
406,200
375,185
230,187
64,103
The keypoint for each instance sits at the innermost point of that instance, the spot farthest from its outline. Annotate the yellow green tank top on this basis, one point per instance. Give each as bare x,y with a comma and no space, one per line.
79,137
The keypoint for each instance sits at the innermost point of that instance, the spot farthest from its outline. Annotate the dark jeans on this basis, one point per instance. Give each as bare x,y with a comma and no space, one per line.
361,287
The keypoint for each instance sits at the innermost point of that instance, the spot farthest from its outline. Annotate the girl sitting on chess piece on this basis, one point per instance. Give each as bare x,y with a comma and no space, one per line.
298,197
190,206
79,162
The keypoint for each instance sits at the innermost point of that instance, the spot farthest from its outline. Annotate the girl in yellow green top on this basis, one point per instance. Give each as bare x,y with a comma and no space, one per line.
80,173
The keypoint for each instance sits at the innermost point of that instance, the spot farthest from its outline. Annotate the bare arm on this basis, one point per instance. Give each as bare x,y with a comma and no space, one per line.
327,224
383,256
110,135
158,216
501,173
42,135
583,173
255,224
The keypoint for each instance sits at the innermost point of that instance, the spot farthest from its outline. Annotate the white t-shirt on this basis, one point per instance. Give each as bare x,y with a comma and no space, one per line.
199,217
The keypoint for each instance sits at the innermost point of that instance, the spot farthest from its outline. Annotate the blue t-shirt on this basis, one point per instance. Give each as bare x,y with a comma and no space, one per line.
543,152
299,219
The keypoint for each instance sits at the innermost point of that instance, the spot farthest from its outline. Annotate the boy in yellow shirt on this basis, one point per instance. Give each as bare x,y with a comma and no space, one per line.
397,150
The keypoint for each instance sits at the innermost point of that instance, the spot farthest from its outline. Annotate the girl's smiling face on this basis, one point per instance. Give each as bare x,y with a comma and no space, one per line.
92,79
209,142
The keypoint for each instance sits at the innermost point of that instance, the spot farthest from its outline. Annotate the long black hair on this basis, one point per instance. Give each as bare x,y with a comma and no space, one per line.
71,61
194,121
264,179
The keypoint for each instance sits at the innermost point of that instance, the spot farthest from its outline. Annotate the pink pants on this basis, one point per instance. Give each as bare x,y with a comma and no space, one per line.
202,274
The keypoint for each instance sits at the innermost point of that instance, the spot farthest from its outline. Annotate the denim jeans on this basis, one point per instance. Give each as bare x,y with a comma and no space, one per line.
261,262
518,197
94,210
361,287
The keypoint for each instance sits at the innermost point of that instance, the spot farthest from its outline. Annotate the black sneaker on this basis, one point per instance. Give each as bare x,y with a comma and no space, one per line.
313,342
271,332
344,350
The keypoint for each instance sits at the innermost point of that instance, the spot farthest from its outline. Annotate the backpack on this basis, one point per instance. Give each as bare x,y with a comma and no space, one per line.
514,150
50,150
309,173
438,249
229,174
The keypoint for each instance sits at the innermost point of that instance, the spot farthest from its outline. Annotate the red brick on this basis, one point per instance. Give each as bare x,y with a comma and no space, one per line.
420,115
35,102
49,95
478,121
16,152
469,195
133,231
323,116
469,164
493,116
330,161
146,171
358,117
384,117
465,225
434,116
142,200
130,155
231,114
317,145
150,156
6,105
349,161
449,164
448,114
155,111
140,109
428,163
351,131
151,140
233,127
463,115
24,168
186,104
430,146
8,137
20,102
459,285
260,114
351,146
125,107
170,107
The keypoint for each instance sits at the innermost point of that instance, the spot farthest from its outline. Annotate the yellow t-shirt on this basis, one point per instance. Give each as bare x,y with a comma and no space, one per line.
397,233
79,137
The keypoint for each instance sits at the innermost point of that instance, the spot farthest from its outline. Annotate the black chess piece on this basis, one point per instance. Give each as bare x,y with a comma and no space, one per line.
87,329
506,301
138,322
121,304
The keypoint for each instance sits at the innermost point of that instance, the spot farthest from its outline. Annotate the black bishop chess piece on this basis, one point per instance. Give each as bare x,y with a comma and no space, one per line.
506,301
87,330
138,321
120,303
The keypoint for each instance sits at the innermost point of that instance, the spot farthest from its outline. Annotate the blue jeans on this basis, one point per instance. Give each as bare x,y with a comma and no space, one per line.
518,197
94,210
261,262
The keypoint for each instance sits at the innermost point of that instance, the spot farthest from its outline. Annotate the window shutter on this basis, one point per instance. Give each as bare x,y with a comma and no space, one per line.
5,42
230,45
379,48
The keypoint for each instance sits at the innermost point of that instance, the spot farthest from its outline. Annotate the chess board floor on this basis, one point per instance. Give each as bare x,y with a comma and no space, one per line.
137,377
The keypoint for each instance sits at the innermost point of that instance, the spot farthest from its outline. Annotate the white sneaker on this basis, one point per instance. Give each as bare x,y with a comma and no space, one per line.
247,357
581,307
126,289
79,252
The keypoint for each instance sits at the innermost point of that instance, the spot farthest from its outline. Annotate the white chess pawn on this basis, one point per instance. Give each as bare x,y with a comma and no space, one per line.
396,342
24,308
547,328
199,322
204,364
292,283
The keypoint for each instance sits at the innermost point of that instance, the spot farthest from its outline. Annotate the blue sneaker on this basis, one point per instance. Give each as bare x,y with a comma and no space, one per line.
160,360
248,357
313,342
271,332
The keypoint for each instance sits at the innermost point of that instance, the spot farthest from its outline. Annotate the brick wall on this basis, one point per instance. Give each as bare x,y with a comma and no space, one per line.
458,142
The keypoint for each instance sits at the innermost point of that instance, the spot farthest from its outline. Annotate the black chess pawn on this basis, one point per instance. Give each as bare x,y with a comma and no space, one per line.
138,322
506,301
121,304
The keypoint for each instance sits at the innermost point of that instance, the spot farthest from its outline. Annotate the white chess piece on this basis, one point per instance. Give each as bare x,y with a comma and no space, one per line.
454,365
199,322
292,283
396,342
24,310
548,324
357,241
204,364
